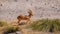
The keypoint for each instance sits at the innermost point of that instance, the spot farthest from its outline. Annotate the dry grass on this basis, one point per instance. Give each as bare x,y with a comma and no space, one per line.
49,25
40,25
7,27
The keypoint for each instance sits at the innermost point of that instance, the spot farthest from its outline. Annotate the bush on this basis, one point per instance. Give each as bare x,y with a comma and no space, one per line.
3,23
11,29
50,25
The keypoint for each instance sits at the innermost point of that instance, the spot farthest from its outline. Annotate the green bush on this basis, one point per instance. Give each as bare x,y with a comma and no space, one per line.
50,25
11,29
3,23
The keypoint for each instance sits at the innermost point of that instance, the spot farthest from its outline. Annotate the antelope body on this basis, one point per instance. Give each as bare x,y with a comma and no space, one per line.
26,17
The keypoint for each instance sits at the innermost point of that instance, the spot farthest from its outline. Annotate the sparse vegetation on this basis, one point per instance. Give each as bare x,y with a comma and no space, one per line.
50,25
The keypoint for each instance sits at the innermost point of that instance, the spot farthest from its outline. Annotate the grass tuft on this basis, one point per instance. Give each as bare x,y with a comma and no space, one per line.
50,25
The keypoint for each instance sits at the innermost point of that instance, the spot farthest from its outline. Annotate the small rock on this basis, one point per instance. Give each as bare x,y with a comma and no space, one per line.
18,32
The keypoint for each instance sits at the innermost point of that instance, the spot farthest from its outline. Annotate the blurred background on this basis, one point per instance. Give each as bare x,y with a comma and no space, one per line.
10,9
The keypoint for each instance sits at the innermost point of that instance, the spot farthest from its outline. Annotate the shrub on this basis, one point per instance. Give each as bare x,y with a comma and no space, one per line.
11,29
50,25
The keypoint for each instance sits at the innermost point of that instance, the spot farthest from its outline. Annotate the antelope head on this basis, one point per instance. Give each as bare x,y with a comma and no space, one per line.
30,13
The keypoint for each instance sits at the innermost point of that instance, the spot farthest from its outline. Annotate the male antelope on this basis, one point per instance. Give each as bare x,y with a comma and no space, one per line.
26,17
